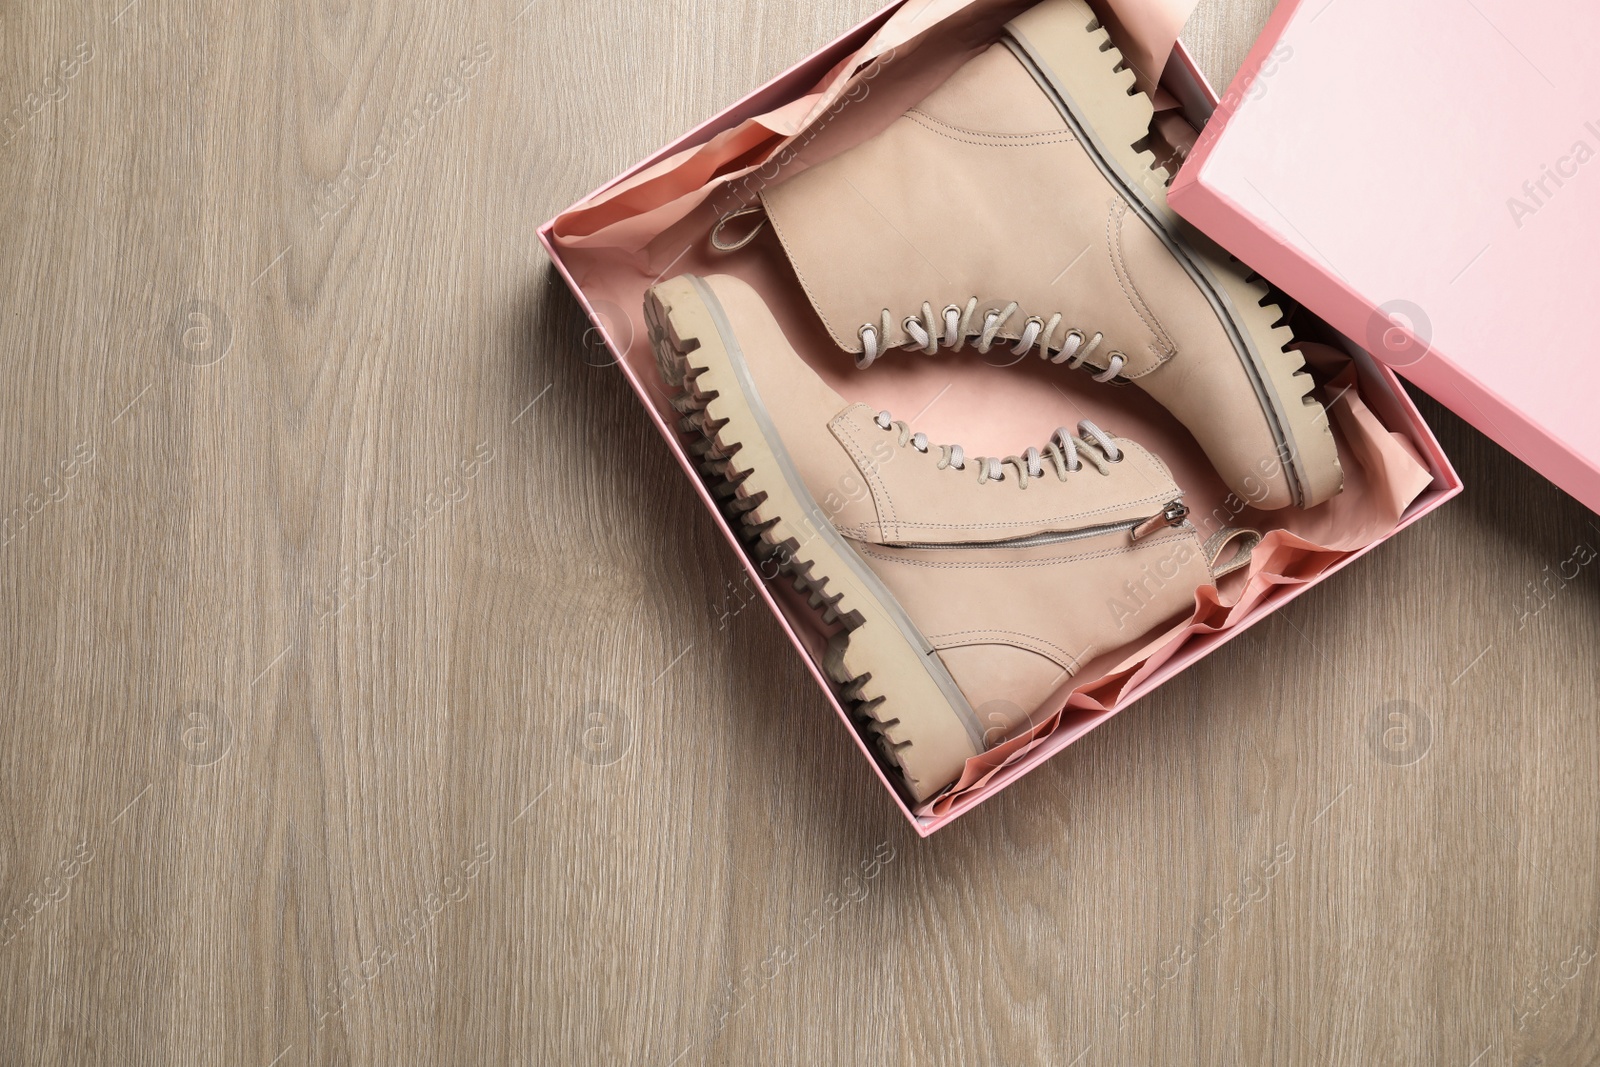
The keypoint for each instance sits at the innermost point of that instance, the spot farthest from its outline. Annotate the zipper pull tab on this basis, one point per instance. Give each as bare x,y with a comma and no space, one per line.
1174,514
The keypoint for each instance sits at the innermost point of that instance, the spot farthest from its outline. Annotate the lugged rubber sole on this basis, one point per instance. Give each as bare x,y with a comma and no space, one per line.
896,687
1071,56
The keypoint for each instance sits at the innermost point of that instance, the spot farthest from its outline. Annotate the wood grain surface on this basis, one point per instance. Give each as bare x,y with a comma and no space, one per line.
376,691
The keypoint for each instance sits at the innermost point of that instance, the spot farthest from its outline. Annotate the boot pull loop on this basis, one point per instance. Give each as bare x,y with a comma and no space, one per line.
1247,541
733,246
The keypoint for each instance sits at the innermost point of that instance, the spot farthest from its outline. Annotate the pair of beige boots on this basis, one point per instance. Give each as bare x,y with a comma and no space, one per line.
967,591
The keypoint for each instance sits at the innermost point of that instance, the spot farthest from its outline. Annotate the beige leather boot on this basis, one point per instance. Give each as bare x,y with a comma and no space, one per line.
1015,209
966,590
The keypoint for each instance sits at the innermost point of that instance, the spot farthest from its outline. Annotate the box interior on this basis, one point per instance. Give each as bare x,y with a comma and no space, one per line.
1394,470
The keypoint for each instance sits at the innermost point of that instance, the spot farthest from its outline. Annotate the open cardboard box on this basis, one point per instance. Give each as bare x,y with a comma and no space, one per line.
1423,177
654,221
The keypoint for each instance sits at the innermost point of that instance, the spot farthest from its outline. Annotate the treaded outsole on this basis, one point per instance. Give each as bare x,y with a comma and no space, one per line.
888,715
1121,118
1310,430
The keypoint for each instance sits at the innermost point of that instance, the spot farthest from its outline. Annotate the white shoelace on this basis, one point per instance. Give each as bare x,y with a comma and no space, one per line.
1064,452
953,327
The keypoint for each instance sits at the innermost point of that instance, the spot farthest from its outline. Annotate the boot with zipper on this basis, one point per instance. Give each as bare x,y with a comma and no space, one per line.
965,590
1016,210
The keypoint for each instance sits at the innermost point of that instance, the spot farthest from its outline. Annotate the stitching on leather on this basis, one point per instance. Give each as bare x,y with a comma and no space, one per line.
1067,660
917,111
904,526
1159,498
991,140
845,432
992,144
1020,564
1162,348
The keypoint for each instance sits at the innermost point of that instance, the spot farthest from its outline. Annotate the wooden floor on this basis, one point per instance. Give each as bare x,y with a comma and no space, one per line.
376,690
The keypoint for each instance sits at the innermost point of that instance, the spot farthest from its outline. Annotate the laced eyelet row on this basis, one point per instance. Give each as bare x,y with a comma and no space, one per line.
953,327
1065,453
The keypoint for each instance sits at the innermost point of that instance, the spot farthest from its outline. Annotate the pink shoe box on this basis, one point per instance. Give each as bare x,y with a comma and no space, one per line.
1426,178
612,295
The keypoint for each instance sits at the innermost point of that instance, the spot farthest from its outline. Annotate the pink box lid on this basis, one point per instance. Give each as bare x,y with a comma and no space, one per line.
1426,177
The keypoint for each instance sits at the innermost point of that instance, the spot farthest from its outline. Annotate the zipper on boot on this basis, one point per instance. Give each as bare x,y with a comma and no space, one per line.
1176,513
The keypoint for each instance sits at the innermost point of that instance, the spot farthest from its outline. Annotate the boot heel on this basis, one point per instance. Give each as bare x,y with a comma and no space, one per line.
1071,57
899,692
